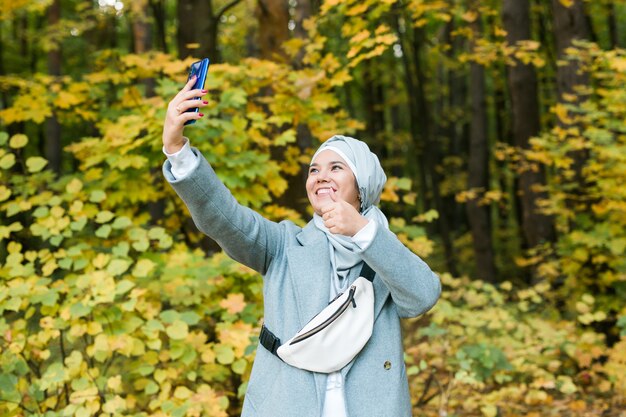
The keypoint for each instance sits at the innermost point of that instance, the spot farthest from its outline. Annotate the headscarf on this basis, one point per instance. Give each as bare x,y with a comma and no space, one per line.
370,179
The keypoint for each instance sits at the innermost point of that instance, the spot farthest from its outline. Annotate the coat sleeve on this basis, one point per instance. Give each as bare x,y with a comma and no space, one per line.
242,233
413,286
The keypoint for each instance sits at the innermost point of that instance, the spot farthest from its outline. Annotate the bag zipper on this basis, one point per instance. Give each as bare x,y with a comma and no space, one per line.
340,310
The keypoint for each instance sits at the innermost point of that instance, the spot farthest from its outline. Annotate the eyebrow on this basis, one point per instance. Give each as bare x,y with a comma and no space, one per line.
315,164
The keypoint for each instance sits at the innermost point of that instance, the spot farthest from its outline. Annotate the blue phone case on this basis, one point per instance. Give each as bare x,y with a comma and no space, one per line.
199,68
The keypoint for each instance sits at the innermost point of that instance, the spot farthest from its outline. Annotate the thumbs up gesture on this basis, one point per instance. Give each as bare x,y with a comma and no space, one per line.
341,217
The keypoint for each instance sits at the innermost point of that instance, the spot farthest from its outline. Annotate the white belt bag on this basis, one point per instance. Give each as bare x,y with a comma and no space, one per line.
331,339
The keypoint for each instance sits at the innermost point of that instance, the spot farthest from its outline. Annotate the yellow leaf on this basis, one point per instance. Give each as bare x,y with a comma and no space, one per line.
5,193
182,393
360,37
114,383
74,186
619,64
567,3
470,16
18,141
234,303
561,112
358,9
236,335
143,268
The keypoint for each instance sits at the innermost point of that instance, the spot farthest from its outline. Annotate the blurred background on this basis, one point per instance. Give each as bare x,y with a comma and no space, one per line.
500,124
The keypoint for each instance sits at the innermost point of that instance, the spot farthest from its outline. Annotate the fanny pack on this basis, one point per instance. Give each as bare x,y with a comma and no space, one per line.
331,339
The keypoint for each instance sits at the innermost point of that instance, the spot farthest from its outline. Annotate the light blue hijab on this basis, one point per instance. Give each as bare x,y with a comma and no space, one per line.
370,178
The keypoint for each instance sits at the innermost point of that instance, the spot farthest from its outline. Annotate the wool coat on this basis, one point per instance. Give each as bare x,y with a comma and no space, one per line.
296,269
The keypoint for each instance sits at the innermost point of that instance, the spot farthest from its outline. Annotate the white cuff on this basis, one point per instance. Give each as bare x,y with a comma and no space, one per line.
183,161
365,236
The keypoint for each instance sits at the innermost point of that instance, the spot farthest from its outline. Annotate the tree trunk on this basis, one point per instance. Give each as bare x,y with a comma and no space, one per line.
53,147
612,24
570,25
478,172
158,11
198,26
273,18
522,82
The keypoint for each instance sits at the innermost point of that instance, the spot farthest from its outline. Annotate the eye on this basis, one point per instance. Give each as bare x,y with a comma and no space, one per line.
336,167
312,170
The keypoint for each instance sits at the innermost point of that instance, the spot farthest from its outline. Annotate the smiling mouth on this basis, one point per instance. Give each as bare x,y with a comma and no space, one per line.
324,191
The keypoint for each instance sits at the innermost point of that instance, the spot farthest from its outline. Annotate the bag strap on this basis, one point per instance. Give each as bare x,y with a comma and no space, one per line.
270,342
367,272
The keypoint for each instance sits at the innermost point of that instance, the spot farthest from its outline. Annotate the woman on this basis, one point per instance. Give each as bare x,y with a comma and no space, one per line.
304,268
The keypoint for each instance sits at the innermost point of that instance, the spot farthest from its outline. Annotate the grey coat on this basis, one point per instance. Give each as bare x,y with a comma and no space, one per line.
295,263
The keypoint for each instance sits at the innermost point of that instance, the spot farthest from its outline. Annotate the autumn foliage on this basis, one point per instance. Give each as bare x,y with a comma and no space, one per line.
112,303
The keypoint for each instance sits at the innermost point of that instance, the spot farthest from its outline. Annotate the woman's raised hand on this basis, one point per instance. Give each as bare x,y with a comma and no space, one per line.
341,218
177,115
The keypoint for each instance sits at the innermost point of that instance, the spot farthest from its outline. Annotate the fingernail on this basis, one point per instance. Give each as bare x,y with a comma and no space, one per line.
205,91
205,102
200,114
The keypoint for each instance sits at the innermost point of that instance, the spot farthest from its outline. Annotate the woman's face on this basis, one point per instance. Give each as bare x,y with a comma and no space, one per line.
327,171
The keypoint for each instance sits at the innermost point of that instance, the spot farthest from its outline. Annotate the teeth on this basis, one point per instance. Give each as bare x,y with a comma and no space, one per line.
323,191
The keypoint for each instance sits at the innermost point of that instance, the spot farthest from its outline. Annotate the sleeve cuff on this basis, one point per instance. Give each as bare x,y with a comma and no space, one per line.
183,162
365,236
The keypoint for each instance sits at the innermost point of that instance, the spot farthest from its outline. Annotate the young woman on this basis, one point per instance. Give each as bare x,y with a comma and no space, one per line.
305,268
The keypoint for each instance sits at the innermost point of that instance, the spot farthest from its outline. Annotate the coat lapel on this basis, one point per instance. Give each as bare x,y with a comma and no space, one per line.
309,271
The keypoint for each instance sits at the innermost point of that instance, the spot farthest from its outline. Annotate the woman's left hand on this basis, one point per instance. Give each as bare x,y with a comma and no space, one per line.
341,218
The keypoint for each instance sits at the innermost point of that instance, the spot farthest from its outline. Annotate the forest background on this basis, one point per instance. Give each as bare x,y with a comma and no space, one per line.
501,125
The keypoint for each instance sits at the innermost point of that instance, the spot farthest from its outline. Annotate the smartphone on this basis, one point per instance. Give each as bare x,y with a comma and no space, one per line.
200,69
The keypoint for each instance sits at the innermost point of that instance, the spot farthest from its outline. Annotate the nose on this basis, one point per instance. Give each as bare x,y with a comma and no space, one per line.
322,176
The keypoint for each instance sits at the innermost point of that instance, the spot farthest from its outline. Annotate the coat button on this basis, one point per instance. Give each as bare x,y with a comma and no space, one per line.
387,365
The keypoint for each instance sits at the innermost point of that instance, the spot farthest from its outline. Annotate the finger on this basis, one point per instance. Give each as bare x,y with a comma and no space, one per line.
191,94
190,104
185,117
188,86
333,196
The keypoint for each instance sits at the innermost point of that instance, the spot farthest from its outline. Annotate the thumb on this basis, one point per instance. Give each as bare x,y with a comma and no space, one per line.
333,195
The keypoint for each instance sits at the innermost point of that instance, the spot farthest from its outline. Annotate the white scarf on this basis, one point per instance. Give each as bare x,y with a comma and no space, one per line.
370,179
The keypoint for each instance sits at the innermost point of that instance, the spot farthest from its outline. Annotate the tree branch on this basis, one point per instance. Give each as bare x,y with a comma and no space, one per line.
226,8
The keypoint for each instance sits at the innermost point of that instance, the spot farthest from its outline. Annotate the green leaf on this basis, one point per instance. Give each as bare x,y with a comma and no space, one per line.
124,286
104,216
151,388
4,136
224,354
118,266
178,330
239,366
79,310
103,231
169,316
404,184
121,249
190,317
35,164
157,233
121,223
7,161
288,136
97,196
